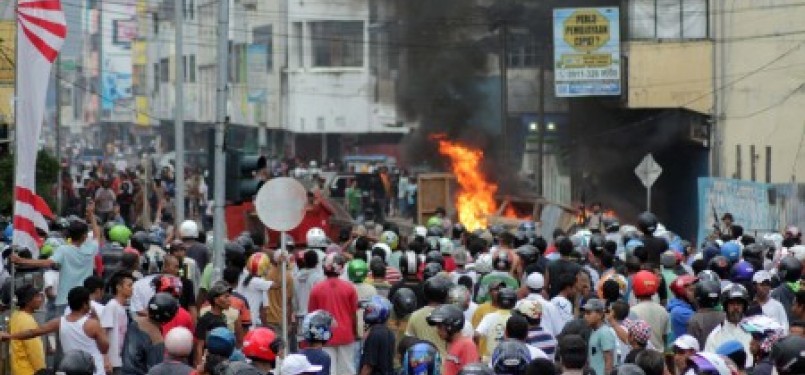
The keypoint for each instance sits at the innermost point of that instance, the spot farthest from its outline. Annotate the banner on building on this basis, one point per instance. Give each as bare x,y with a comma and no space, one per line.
257,72
747,201
587,58
118,31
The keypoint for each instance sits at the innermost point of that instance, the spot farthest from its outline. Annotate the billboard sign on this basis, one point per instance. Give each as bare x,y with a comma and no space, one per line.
747,201
118,31
586,52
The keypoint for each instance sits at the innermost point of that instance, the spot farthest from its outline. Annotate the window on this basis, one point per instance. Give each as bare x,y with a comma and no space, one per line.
237,63
337,43
262,35
164,70
668,19
155,22
298,41
156,77
190,70
522,52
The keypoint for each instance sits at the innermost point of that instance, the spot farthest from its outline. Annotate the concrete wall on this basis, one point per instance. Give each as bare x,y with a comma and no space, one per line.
765,106
670,75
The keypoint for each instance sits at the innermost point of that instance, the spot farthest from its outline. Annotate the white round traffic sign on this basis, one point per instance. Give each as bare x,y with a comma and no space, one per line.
280,203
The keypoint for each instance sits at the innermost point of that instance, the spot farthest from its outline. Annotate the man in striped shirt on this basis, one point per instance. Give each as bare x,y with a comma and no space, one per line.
537,336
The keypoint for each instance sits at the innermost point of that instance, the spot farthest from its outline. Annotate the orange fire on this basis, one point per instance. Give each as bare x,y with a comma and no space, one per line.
476,198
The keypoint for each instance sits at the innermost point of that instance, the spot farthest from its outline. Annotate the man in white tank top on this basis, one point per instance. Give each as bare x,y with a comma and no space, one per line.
77,331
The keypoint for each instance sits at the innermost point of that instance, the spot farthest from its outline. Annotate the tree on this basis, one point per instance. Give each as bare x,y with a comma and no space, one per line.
47,171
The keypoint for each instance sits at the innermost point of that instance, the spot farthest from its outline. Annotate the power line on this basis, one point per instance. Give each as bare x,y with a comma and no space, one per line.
667,112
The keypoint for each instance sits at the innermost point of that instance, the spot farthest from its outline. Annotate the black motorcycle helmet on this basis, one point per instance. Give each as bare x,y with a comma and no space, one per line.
707,293
511,357
507,298
721,266
527,253
245,240
77,362
449,316
476,369
709,275
647,223
788,355
790,269
753,253
409,263
458,231
431,269
597,243
434,257
404,302
139,241
162,307
735,292
234,247
436,289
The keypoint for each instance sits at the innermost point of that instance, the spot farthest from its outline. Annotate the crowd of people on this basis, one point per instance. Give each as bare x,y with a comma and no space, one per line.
616,299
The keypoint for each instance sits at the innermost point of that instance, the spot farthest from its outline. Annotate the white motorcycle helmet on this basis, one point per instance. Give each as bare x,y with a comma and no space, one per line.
188,229
316,238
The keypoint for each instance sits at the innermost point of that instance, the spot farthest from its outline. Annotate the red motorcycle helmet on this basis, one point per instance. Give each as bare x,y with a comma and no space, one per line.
262,344
680,283
645,284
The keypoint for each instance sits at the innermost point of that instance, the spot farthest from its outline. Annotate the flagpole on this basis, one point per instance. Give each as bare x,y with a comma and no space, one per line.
13,143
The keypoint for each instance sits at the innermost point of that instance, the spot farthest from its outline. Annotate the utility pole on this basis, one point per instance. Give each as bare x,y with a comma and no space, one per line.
59,187
504,89
178,110
220,124
541,127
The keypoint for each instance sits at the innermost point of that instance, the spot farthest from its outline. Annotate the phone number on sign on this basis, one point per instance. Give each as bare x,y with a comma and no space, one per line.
588,74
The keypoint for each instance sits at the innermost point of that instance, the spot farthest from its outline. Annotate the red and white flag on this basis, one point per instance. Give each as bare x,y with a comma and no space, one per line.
41,29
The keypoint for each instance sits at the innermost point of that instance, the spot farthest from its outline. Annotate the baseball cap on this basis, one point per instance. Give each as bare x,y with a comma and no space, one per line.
535,281
594,304
295,364
761,276
686,342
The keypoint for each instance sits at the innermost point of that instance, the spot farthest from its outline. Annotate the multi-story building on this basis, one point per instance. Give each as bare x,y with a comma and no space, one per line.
328,91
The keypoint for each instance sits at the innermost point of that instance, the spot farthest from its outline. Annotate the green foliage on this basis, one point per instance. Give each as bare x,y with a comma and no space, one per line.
47,171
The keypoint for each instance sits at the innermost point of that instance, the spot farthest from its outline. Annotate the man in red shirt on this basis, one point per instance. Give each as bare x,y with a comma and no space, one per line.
339,298
461,350
317,214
